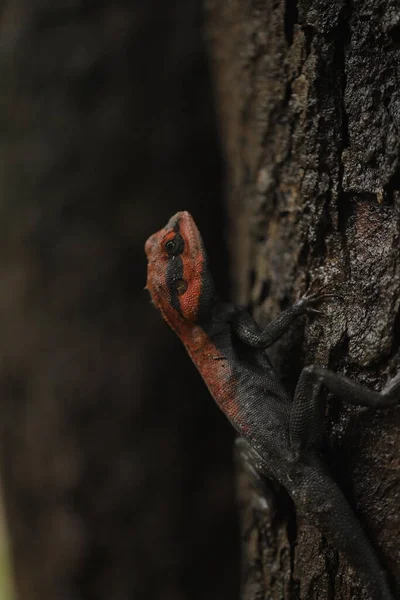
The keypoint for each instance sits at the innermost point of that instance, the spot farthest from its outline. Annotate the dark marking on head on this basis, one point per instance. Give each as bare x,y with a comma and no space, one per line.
207,294
178,278
173,275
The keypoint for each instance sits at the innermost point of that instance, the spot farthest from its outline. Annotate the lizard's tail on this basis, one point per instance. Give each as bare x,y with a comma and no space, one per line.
320,501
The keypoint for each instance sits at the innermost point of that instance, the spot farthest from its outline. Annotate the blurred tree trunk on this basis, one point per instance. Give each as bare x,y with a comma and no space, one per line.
309,106
116,467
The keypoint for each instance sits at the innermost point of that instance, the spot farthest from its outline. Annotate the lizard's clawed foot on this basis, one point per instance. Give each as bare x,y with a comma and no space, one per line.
314,296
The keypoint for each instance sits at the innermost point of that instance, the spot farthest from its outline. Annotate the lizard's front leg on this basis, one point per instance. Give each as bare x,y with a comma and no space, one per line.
248,331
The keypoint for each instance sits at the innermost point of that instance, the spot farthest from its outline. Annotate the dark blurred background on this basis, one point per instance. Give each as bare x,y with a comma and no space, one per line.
115,463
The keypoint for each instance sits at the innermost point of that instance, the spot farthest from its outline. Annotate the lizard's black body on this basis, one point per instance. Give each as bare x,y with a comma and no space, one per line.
268,411
280,435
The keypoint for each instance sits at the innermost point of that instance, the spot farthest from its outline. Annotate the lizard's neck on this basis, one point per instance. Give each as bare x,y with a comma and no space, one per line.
213,365
192,334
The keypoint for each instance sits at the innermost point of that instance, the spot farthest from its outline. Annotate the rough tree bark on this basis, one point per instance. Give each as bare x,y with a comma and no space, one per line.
309,105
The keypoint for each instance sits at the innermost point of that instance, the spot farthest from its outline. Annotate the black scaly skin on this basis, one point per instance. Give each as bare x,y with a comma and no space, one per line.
283,434
279,435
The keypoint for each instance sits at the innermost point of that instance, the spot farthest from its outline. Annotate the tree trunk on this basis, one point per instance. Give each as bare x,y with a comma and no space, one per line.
309,105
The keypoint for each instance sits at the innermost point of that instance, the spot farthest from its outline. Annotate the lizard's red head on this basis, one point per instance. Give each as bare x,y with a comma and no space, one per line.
178,278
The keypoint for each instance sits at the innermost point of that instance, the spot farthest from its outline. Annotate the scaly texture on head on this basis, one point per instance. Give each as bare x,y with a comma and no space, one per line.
181,287
178,279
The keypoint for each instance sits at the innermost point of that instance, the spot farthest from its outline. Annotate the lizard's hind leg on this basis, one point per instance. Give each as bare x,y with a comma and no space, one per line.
307,409
316,495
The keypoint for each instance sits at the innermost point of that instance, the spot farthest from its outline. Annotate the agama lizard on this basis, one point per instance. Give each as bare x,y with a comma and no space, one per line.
279,435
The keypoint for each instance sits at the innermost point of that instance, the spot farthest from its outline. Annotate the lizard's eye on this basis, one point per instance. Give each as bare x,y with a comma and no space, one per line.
174,246
170,246
181,286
